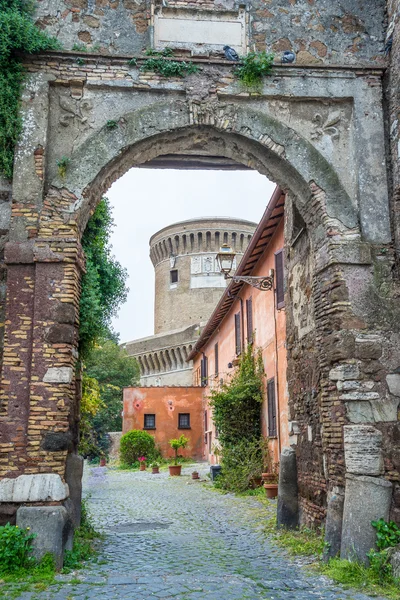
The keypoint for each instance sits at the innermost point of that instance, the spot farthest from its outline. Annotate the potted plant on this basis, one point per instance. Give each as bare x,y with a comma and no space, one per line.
270,468
102,460
155,468
142,460
271,481
175,444
195,475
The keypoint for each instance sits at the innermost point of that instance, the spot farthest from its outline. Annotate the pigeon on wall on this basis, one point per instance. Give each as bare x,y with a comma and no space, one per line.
230,53
288,57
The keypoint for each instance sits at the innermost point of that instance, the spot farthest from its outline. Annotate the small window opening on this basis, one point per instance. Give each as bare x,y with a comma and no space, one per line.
174,276
149,421
184,421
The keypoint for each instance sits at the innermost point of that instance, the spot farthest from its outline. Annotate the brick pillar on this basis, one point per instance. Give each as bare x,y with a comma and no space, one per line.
38,377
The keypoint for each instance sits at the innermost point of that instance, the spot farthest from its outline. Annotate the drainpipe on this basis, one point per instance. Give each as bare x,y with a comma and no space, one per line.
277,373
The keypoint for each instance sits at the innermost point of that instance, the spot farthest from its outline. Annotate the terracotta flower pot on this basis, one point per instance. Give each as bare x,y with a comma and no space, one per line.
268,477
155,470
142,466
195,475
175,470
271,489
102,462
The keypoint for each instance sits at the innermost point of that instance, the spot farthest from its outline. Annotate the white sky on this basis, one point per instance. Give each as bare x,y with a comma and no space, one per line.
145,200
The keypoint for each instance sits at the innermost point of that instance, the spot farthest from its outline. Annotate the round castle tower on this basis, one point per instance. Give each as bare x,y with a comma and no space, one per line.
188,283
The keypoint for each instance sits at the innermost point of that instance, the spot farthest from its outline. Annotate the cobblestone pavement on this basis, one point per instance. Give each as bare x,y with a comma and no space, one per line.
174,538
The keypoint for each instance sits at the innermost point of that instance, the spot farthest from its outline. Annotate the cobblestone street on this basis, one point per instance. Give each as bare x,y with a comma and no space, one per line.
174,538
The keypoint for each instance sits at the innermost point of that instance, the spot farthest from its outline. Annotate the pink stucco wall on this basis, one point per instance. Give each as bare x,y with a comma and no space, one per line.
270,335
166,403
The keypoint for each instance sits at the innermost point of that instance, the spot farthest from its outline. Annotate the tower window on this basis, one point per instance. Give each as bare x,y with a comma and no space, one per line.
174,276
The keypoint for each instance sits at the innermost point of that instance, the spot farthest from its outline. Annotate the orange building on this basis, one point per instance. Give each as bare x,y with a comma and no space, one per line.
166,413
243,314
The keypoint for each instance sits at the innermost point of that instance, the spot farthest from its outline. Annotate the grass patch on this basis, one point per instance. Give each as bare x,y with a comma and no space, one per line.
310,542
365,579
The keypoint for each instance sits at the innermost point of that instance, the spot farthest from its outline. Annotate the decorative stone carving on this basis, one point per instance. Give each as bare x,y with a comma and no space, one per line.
195,266
208,264
75,110
363,450
326,126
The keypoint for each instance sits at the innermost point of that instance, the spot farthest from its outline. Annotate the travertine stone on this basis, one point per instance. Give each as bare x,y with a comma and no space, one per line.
367,499
58,375
334,520
393,381
42,487
363,450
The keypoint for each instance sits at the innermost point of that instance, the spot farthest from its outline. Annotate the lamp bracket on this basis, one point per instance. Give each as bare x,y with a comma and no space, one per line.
261,283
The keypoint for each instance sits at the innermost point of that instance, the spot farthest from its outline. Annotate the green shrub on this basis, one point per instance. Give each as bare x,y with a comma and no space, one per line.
241,464
176,444
387,534
15,548
136,443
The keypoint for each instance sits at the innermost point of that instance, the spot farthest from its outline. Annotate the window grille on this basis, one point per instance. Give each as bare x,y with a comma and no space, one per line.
184,421
149,421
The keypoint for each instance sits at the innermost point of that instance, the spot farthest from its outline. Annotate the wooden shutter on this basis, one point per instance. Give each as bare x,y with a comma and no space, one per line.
238,340
272,425
216,369
249,315
204,371
279,280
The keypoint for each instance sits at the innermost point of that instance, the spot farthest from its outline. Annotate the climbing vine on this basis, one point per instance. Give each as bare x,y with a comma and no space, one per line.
18,35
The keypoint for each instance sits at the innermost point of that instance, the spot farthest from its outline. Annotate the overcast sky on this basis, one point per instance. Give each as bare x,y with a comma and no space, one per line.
145,200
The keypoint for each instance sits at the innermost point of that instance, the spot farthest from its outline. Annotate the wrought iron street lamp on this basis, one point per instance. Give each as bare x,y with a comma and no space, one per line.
225,258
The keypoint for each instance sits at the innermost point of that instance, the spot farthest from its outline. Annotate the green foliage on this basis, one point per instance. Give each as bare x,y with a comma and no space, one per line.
79,47
15,548
177,443
103,284
18,35
136,443
132,62
236,405
254,67
62,166
387,534
164,52
111,124
108,369
241,464
80,61
169,68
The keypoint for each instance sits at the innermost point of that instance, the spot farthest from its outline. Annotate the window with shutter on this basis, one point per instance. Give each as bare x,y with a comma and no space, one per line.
279,280
249,315
238,340
204,371
272,425
216,366
205,421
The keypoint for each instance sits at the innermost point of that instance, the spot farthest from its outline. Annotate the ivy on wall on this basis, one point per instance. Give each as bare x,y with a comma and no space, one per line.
18,36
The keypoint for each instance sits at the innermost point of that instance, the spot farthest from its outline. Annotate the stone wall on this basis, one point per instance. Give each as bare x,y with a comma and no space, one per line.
330,31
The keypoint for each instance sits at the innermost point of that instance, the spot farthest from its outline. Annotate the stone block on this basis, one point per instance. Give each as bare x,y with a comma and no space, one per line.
288,507
41,487
55,441
363,450
334,519
61,333
378,410
393,381
50,524
73,477
58,375
394,559
367,499
344,371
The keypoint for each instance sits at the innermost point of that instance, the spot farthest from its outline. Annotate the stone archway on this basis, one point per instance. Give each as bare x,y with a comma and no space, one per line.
332,322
